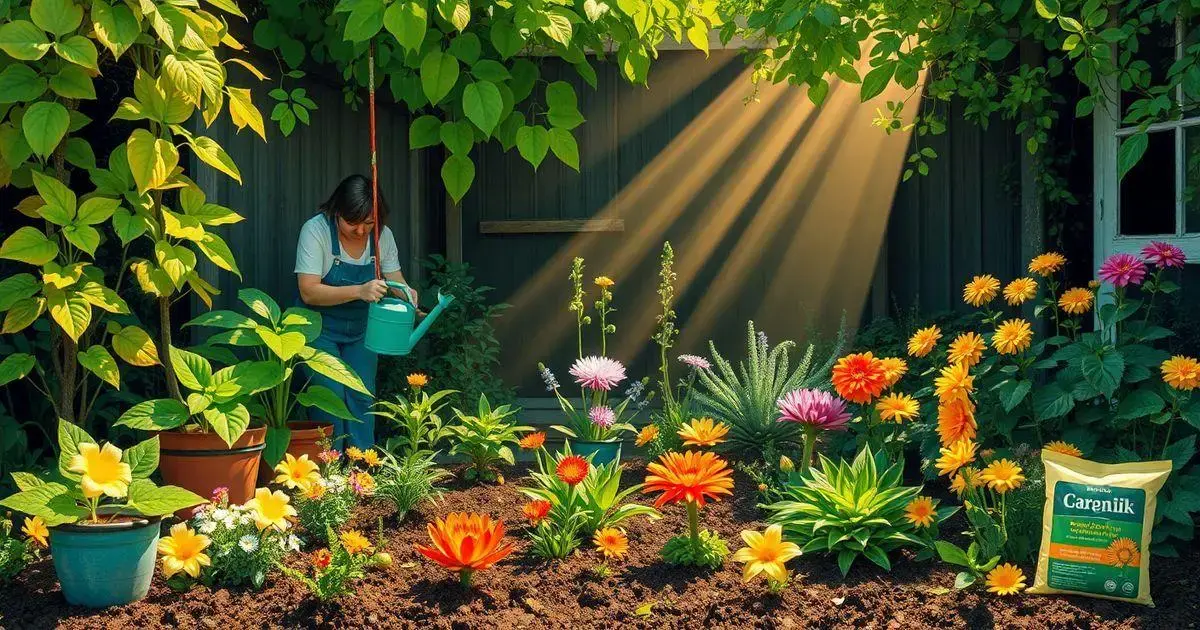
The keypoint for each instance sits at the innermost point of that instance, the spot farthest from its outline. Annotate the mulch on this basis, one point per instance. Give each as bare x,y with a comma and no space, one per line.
524,592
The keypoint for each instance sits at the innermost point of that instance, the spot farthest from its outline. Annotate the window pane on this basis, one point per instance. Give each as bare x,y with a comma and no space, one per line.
1148,189
1191,182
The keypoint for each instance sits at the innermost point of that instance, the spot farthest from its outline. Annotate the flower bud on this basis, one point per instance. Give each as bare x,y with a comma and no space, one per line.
381,560
785,464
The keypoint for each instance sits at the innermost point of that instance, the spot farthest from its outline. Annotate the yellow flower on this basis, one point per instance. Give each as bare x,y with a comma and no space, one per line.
1066,448
314,492
955,456
954,383
1093,284
923,341
35,528
981,290
920,512
370,457
354,453
1046,264
786,464
968,477
604,282
1122,552
295,473
417,380
1012,336
1181,372
611,542
966,348
1020,290
1076,301
354,542
647,435
766,552
1002,475
183,551
703,432
893,369
898,407
103,471
1006,579
271,509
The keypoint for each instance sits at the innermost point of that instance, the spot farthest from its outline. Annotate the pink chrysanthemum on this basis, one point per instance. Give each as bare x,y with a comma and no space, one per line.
598,373
602,417
815,408
691,360
1164,254
1123,269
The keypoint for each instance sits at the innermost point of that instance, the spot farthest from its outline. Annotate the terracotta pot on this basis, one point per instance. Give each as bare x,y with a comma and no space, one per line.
304,440
202,462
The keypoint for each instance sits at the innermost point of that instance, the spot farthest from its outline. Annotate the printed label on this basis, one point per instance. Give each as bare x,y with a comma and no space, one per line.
1095,538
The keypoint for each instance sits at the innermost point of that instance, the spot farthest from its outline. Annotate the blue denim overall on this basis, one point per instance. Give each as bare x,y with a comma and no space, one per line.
343,329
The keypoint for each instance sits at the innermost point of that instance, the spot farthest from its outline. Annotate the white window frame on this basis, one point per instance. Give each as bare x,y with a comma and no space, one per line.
1107,136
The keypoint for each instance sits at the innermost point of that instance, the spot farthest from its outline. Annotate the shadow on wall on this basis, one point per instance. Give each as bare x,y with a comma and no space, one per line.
776,210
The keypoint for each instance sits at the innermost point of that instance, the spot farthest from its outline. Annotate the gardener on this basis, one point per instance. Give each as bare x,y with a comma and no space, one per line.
335,270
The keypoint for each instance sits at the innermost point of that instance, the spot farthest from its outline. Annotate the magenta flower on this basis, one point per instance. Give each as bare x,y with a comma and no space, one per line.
598,373
815,408
1164,254
220,495
1123,269
695,362
602,417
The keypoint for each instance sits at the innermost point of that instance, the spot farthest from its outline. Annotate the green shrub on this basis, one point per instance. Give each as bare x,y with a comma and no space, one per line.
484,438
409,482
709,552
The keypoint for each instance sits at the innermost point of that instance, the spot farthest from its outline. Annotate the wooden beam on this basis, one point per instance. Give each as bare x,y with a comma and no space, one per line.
551,226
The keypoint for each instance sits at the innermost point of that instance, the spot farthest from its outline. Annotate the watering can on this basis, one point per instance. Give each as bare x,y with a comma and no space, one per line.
390,322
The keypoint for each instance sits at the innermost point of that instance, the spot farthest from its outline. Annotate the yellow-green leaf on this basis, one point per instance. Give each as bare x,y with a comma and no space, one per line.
23,40
645,609
213,155
62,277
22,314
152,278
29,245
55,193
16,287
182,226
150,159
73,82
85,237
258,74
70,311
175,260
103,297
79,50
98,361
133,345
115,25
456,12
56,16
45,123
95,210
228,6
243,112
285,346
215,248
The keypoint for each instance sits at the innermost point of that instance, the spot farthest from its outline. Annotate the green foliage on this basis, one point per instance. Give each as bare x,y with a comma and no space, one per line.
745,398
561,531
241,553
15,553
409,482
336,579
318,515
60,498
974,564
458,66
484,439
850,509
707,551
460,351
420,427
603,501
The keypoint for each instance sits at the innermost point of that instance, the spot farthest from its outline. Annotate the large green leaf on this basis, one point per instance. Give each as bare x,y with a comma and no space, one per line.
334,369
15,366
29,245
563,144
98,361
150,500
229,421
45,124
142,458
19,82
532,143
324,399
458,172
134,346
285,346
73,82
439,73
58,17
51,501
155,415
302,320
23,40
192,370
278,439
483,105
218,253
1104,371
506,38
22,313
407,21
222,319
69,439
78,50
69,310
16,287
260,303
115,25
365,20
151,159
1131,151
424,132
1139,403
456,12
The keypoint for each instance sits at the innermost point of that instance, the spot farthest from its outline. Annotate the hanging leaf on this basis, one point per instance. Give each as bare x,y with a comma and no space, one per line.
21,39
456,12
439,73
563,144
133,345
15,366
80,51
98,361
482,104
45,123
424,132
532,143
1132,149
18,286
243,113
506,39
457,173
116,27
151,160
407,21
365,20
58,17
69,310
19,82
458,136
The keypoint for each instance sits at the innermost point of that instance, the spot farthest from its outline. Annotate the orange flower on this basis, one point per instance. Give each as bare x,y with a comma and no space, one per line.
572,470
688,477
321,559
611,542
1122,552
646,435
859,377
898,407
893,369
536,511
966,348
1012,336
1020,290
1046,264
981,290
956,421
955,456
920,512
1076,301
703,432
1180,372
417,380
954,383
533,441
923,341
465,543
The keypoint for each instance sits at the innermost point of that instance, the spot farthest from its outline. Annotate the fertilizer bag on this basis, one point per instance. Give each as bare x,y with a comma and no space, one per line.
1096,528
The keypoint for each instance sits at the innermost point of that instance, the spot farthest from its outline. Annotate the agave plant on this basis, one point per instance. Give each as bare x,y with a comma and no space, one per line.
745,397
850,509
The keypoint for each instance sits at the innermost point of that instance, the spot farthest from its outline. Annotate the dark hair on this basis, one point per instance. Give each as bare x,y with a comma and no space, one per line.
351,200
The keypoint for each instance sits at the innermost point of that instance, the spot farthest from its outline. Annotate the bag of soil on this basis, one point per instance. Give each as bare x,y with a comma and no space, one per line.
1096,528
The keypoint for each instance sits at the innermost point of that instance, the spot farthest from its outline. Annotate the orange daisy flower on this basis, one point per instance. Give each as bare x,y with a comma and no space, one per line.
689,477
572,470
611,542
966,348
956,421
859,377
465,543
893,369
923,341
536,511
532,441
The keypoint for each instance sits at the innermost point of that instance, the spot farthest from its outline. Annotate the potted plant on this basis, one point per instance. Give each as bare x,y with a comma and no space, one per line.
283,339
207,442
103,513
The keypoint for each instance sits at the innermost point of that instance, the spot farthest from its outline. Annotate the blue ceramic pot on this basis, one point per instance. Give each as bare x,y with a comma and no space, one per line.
602,452
105,565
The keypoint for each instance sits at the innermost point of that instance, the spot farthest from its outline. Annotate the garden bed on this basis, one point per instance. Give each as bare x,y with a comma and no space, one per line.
522,591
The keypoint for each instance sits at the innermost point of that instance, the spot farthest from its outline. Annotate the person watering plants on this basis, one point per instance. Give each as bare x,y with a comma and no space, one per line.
335,271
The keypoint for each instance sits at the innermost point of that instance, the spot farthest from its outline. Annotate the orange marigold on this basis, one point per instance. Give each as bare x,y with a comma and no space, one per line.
966,348
954,383
1046,264
572,469
688,477
923,341
1181,372
956,421
536,511
981,290
1076,301
465,543
1020,291
859,377
533,441
893,369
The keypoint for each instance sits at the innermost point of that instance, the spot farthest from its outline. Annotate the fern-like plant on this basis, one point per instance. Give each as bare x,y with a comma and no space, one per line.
744,397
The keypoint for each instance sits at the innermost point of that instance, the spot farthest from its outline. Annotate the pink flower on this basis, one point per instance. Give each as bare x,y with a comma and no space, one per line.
598,373
602,416
1164,254
328,456
691,360
1123,269
815,408
220,495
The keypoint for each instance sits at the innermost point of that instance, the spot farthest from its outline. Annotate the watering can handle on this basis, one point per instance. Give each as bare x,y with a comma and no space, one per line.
404,289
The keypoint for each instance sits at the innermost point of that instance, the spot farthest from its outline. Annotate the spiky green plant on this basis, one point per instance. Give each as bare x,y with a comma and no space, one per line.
850,509
745,397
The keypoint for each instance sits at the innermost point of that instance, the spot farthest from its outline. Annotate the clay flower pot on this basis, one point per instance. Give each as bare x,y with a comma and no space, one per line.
202,462
306,438
105,564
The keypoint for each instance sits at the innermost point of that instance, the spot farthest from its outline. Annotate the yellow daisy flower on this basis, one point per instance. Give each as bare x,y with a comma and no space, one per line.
1002,475
1006,579
1046,264
1181,372
1020,291
981,290
966,348
898,407
920,512
1012,336
1066,448
1076,301
954,383
923,341
956,456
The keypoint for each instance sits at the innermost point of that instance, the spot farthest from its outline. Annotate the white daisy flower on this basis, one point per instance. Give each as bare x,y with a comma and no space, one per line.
248,543
293,543
207,527
230,522
219,514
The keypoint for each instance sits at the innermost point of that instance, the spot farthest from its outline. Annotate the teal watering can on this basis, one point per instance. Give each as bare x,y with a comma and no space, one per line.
390,322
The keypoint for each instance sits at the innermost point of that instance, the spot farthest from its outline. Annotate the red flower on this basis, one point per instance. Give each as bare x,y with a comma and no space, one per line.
859,378
321,559
572,470
536,511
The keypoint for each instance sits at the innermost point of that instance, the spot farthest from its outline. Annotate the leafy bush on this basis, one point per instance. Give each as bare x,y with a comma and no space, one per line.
415,415
707,551
409,482
460,351
335,569
483,438
745,397
604,501
15,554
557,532
241,553
329,508
850,509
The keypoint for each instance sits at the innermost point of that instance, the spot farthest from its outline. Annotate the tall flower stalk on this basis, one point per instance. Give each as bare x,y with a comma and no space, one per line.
576,305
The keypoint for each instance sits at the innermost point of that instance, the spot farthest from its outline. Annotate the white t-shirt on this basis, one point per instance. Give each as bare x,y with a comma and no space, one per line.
314,251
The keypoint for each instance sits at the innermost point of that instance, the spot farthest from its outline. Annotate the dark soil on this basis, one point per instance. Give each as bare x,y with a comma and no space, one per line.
523,592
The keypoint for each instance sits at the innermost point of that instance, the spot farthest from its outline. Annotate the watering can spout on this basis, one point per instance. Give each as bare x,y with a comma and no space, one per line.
423,327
